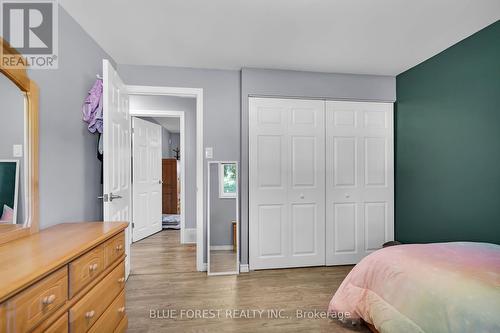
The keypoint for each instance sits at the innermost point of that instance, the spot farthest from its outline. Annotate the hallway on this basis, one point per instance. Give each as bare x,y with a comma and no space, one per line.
164,277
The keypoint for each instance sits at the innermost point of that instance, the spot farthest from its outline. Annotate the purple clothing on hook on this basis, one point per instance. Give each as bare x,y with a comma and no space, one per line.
95,123
92,108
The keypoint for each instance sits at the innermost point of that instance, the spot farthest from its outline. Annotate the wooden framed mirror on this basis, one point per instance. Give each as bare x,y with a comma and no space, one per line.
19,198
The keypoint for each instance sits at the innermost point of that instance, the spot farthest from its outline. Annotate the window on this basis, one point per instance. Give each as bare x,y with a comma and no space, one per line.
228,180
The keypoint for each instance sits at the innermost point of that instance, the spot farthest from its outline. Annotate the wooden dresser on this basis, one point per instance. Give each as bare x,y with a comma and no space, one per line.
67,278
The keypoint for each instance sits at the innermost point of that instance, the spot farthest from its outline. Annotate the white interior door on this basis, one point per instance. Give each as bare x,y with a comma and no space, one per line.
287,187
359,178
147,178
116,156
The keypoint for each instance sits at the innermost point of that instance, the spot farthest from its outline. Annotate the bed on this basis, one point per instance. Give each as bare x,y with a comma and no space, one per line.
441,287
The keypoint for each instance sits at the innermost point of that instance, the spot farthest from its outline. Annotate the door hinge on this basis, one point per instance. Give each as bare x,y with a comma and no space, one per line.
133,225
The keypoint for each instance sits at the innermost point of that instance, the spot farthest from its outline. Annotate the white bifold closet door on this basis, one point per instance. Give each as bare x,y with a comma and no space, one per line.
321,181
359,179
287,183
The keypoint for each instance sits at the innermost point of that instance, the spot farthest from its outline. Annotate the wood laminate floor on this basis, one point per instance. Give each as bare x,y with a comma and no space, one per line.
164,282
222,261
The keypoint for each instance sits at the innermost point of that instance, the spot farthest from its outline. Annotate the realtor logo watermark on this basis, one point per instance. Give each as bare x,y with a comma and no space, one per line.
30,27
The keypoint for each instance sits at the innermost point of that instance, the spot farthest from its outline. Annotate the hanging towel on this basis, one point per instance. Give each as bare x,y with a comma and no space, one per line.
92,108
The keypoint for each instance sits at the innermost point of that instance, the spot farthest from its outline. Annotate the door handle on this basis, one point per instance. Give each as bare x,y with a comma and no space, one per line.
114,196
160,182
103,197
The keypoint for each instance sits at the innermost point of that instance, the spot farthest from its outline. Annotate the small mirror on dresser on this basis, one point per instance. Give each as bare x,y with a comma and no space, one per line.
18,150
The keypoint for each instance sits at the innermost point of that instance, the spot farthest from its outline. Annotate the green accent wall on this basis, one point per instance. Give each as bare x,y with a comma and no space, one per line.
447,159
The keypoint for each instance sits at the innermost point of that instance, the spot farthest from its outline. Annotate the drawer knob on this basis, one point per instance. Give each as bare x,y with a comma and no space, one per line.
89,314
121,310
92,267
119,247
49,299
121,280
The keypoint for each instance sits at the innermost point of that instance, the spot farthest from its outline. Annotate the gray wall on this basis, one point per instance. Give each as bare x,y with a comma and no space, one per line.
168,103
188,105
222,212
166,151
11,133
70,174
69,171
176,142
221,105
264,82
226,99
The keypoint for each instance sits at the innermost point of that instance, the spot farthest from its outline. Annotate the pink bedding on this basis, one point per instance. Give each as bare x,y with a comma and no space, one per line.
443,287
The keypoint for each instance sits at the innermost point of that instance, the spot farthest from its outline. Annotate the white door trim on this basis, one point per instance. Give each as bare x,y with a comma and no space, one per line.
198,94
181,116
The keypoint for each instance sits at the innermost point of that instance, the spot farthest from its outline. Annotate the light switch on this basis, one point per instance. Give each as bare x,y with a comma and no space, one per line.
17,150
209,152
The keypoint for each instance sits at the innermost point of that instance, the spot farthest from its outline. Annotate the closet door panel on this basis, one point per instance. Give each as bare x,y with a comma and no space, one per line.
306,135
359,193
344,161
304,161
306,183
270,162
286,170
375,224
303,230
271,230
375,161
268,175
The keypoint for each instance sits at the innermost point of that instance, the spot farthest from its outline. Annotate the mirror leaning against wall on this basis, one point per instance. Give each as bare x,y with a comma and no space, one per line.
18,151
223,218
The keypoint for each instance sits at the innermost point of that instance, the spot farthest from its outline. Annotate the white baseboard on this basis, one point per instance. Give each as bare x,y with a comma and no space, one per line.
221,247
189,236
203,267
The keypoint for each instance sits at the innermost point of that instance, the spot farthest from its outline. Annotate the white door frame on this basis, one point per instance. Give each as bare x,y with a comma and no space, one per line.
181,116
198,94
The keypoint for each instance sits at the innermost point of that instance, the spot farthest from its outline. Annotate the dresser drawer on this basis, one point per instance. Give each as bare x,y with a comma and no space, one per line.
88,309
122,326
114,249
112,316
34,304
84,269
59,326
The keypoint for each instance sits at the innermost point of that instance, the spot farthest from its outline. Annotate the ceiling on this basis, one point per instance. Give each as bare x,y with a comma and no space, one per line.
345,36
172,124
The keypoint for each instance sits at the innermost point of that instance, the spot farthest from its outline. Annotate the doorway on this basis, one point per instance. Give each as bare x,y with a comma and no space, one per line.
187,154
117,161
158,160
